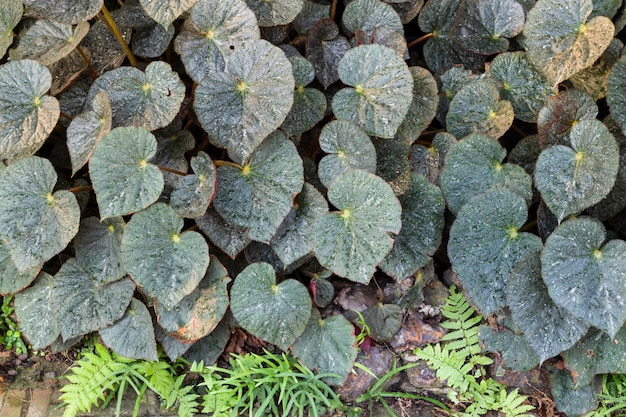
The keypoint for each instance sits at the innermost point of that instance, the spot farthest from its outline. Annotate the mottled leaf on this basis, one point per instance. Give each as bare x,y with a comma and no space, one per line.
171,149
228,238
309,107
64,11
325,48
275,12
166,11
98,247
616,94
568,399
47,42
209,348
193,193
562,112
11,279
33,309
383,320
423,106
311,12
511,347
132,336
366,15
10,15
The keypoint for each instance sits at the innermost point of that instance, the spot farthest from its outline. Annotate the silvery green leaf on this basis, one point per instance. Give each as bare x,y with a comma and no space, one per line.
132,336
423,105
151,41
98,247
11,279
33,309
392,162
309,107
228,238
275,12
193,193
407,10
560,113
311,12
47,42
10,15
366,15
64,11
171,148
166,11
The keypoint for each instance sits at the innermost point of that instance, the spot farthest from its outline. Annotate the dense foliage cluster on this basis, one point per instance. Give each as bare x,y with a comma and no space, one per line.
164,164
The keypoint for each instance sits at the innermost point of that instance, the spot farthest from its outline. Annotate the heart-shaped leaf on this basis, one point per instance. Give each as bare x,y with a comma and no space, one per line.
98,247
559,39
64,11
354,240
366,15
122,178
259,195
380,89
570,179
548,328
615,201
327,345
132,336
325,48
27,116
348,147
33,308
509,345
275,12
87,129
560,113
12,280
149,99
10,17
164,262
584,275
193,193
277,313
82,303
228,238
423,106
47,42
199,313
212,28
473,165
47,221
166,11
422,224
244,104
486,244
429,162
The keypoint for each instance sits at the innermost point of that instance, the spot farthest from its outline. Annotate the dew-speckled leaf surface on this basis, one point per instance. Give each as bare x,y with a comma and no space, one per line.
383,320
151,41
27,115
309,107
275,12
199,313
172,347
430,161
450,83
570,179
293,240
166,11
525,153
10,15
303,70
33,308
325,48
585,275
36,223
423,105
560,113
477,108
486,244
149,99
548,328
327,345
559,39
209,348
348,147
12,280
354,240
98,247
571,399
260,194
615,201
193,193
132,336
170,153
380,89
422,224
164,262
228,238
81,304
323,292
309,15
241,106
212,28
47,42
521,83
64,11
277,313
474,165
616,94
483,26
87,129
122,177
513,349
366,15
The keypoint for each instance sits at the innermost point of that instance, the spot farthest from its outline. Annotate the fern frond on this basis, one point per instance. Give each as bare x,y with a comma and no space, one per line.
448,366
512,404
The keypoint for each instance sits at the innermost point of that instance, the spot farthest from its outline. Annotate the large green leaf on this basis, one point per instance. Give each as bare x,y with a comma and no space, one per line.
570,399
293,241
166,11
275,12
277,313
10,15
367,15
64,11
484,26
209,348
228,238
383,320
477,108
259,195
310,14
473,165
429,162
559,39
208,33
164,262
98,247
486,244
521,83
570,179
325,48
327,345
82,303
199,313
585,275
422,224
87,129
132,336
423,106
149,99
33,308
47,42
193,193
36,223
392,162
122,178
560,113
348,148
615,201
354,240
27,116
548,328
380,89
244,104
616,94
517,355
12,280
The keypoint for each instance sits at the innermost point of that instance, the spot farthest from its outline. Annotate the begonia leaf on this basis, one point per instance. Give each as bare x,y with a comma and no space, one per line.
560,113
325,48
366,15
47,42
10,15
193,193
423,105
228,238
166,11
98,247
33,309
64,11
275,12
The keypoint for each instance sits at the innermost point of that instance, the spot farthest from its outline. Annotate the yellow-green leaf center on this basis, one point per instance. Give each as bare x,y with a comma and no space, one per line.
175,238
50,198
37,101
143,164
359,89
346,214
246,170
597,254
513,233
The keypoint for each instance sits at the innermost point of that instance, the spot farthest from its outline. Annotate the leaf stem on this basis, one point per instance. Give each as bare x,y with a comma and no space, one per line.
220,163
173,171
107,19
80,189
333,10
420,39
90,69
66,116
